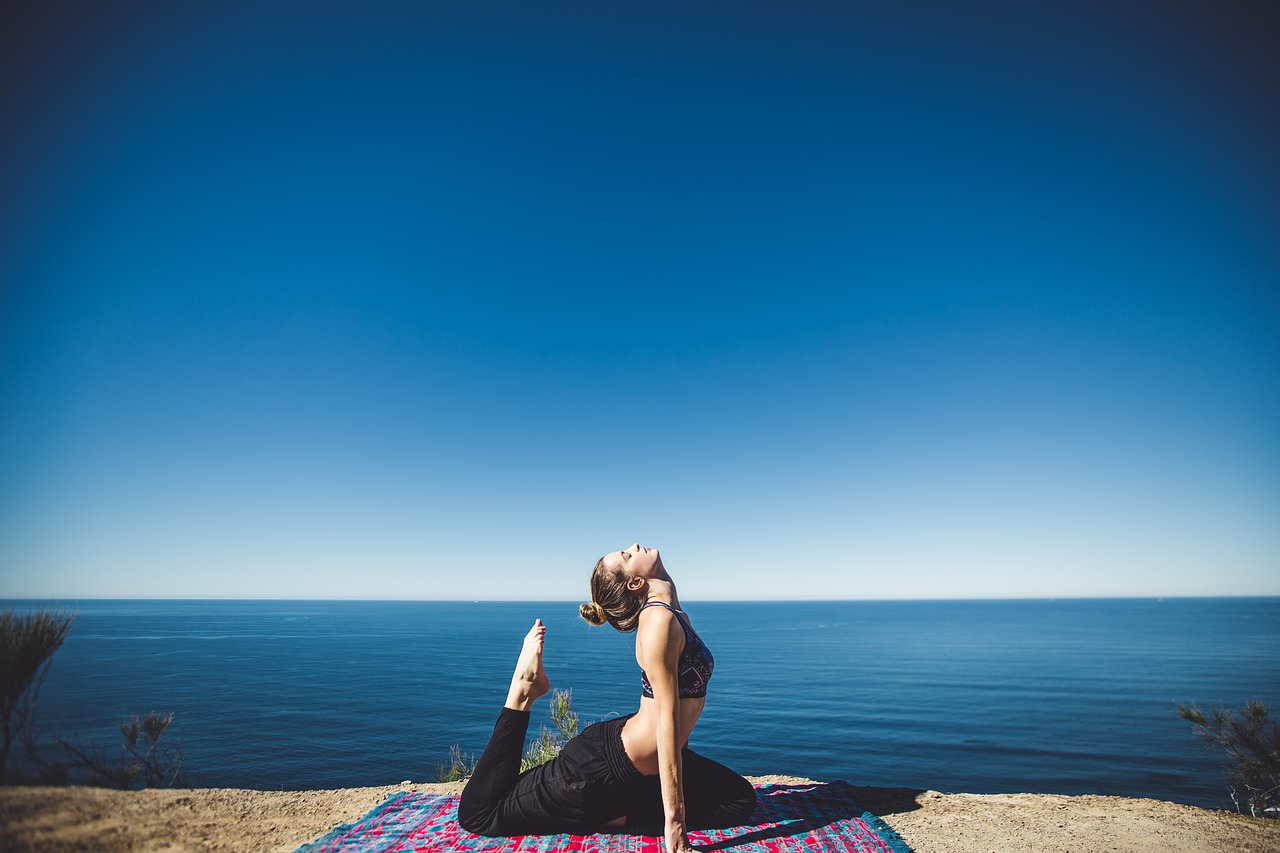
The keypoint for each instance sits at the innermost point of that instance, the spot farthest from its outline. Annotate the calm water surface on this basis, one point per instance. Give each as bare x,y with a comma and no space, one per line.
1070,696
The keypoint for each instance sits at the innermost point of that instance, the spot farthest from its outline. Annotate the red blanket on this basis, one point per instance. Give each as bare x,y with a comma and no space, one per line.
787,819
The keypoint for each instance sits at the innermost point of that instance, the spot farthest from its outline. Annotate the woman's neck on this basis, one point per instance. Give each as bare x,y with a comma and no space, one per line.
664,591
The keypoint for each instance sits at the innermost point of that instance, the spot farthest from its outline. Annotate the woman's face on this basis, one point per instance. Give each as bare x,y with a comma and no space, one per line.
638,561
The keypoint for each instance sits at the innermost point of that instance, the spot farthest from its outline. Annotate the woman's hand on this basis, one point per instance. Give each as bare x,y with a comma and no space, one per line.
678,840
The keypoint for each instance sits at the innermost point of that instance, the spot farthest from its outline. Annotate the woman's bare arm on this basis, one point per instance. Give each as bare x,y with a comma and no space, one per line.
661,641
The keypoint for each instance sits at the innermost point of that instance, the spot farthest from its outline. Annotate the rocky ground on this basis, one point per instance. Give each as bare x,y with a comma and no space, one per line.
92,819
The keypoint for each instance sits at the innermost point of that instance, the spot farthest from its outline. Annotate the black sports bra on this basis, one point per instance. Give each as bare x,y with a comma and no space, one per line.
694,668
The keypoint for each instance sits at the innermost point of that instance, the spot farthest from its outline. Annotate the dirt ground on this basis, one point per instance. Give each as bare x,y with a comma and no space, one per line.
92,819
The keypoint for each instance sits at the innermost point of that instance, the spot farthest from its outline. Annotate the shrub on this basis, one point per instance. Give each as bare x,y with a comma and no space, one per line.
1252,743
457,768
543,748
548,743
142,758
27,643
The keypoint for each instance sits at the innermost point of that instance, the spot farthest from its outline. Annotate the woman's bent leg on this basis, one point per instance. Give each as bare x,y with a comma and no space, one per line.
580,790
714,796
495,774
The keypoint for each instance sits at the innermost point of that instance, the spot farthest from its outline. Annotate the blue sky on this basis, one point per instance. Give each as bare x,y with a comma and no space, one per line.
825,300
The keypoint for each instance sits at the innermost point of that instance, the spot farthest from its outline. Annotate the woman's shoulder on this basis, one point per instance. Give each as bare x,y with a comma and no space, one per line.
661,624
657,612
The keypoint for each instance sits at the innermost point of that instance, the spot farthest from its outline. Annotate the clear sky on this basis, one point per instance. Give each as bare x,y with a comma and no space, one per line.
824,299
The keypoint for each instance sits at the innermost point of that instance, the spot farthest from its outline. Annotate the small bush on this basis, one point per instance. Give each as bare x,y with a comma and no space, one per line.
548,743
27,642
457,768
142,760
541,749
1253,744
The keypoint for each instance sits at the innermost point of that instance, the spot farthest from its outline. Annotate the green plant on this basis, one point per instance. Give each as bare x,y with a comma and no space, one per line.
457,768
1253,744
543,748
548,743
27,643
142,758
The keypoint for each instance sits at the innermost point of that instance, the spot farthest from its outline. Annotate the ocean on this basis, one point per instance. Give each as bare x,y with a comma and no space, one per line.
1048,696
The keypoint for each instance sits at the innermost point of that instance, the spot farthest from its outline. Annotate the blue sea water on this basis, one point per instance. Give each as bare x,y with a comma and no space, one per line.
1066,696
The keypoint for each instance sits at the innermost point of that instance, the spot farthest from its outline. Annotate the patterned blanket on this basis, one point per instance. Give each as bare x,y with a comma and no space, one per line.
787,819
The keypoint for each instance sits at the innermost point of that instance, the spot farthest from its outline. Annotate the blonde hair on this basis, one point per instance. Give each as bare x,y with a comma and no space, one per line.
611,600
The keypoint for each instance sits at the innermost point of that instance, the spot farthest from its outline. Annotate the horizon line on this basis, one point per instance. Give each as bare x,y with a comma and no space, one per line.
773,599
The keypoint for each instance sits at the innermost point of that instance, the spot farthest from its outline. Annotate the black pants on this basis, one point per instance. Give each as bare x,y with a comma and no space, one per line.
589,784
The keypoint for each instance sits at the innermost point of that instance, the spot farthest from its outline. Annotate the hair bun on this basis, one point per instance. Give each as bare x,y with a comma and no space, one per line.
593,613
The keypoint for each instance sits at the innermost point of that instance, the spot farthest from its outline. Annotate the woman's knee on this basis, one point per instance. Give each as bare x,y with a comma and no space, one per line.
731,805
477,821
740,802
468,821
477,826
745,804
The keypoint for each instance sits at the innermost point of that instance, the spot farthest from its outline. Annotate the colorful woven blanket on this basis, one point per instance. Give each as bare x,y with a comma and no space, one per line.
787,819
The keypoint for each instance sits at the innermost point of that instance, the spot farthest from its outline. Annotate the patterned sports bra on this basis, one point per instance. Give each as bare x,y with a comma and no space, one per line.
693,670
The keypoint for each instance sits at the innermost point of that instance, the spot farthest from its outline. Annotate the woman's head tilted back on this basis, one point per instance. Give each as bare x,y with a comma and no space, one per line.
619,588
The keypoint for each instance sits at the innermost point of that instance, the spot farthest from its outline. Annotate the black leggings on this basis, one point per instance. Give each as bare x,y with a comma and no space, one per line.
589,784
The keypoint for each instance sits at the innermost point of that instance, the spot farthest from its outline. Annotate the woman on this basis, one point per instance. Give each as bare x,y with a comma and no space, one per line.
636,771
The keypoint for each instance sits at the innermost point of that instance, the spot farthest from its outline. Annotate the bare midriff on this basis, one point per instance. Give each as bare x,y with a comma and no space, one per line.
640,733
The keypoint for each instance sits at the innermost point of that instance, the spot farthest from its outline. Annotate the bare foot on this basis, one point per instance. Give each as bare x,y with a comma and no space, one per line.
529,681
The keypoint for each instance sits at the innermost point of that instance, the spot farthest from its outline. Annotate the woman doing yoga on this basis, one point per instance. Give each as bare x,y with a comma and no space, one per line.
636,771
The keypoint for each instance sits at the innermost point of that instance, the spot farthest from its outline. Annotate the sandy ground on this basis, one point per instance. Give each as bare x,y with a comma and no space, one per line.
63,819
